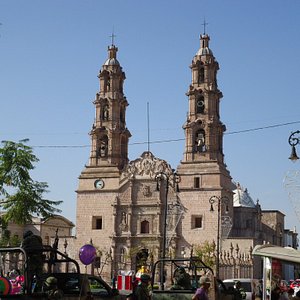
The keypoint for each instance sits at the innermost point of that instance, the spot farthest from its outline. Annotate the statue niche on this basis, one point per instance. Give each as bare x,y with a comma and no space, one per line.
123,224
103,146
105,112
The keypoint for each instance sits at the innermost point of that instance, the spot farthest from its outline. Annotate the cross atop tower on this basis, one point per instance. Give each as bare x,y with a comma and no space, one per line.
204,26
112,36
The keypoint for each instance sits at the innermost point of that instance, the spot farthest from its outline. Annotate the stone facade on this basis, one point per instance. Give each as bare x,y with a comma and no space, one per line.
125,208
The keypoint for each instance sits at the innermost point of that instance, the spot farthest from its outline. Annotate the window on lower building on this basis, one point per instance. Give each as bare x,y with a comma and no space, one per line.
249,224
197,222
145,227
122,255
97,262
196,182
97,223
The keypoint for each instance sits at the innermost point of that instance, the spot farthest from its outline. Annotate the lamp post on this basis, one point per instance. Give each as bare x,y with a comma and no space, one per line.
165,179
212,201
293,141
65,246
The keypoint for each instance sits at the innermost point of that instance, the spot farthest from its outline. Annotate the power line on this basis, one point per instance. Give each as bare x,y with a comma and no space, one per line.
177,140
261,128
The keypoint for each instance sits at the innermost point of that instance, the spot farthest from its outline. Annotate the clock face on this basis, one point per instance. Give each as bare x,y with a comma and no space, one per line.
99,184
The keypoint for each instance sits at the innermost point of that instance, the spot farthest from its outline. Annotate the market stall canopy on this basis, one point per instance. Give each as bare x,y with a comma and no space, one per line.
286,254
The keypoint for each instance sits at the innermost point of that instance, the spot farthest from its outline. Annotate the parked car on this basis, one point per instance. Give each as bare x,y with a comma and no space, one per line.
246,284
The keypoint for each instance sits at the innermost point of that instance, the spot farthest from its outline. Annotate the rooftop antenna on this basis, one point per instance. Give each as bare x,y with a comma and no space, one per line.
148,128
204,26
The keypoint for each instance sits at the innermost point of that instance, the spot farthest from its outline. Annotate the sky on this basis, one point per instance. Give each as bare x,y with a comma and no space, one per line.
52,50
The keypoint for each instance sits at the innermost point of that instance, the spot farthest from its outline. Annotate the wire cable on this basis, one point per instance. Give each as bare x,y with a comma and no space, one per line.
175,140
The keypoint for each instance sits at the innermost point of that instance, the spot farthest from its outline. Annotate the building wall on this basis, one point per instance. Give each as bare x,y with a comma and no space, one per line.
45,228
127,203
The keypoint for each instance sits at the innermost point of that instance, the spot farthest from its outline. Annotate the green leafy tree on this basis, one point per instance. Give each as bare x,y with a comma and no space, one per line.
8,240
21,197
206,252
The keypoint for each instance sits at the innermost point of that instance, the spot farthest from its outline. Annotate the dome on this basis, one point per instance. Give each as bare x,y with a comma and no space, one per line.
204,51
241,198
111,62
204,46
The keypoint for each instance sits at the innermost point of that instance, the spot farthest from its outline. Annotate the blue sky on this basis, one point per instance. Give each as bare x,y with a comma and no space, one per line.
51,52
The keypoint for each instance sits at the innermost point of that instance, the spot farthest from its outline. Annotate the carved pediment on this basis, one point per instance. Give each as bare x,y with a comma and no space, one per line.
146,166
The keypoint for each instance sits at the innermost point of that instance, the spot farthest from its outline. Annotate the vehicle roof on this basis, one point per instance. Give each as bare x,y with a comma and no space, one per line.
238,279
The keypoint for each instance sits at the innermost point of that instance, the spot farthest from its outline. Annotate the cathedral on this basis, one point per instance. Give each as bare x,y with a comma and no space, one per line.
127,208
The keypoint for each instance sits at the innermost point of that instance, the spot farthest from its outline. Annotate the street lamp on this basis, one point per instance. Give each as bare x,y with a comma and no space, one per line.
293,141
212,201
173,180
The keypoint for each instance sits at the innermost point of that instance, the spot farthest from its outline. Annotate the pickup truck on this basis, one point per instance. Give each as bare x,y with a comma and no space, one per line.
184,280
73,284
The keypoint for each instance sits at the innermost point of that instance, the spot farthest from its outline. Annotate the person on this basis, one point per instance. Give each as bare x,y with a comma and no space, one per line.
33,245
51,289
202,292
290,293
240,293
182,279
15,280
259,290
114,280
275,293
141,292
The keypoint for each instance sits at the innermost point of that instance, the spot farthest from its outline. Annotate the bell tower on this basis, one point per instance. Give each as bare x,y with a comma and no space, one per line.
203,173
203,128
203,153
109,133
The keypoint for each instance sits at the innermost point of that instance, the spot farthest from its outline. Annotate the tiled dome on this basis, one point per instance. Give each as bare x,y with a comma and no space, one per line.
241,197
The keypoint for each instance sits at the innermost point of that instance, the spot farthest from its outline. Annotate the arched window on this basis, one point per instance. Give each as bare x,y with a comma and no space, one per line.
122,115
121,85
108,84
123,147
105,82
144,226
200,141
201,75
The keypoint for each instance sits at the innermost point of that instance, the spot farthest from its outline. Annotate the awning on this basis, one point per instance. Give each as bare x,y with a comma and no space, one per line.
286,254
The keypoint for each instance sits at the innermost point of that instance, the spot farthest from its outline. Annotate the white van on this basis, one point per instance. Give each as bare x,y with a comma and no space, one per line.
246,284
